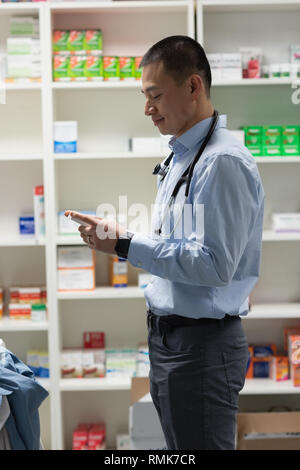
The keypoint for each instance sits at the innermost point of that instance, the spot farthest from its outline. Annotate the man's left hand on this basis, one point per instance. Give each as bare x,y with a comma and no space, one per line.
100,234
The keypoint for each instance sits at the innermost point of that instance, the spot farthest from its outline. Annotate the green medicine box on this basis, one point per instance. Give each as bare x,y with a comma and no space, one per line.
60,41
93,41
60,67
127,68
76,41
93,67
290,140
76,67
253,135
111,68
271,135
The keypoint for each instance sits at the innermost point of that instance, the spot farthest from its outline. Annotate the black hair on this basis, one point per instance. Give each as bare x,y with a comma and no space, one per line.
181,56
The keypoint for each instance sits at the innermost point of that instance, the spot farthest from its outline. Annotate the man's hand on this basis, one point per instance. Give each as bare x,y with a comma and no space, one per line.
100,234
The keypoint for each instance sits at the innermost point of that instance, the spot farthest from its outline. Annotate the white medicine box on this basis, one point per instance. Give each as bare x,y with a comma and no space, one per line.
76,269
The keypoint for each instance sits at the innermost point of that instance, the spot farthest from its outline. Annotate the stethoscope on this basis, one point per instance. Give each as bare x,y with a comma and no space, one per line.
186,178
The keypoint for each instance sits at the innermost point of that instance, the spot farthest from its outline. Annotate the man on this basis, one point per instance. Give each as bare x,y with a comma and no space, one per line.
201,281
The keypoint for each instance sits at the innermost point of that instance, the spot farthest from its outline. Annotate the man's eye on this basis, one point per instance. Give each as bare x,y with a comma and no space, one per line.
157,96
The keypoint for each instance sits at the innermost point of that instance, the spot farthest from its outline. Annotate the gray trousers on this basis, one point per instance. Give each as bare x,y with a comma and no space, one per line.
196,373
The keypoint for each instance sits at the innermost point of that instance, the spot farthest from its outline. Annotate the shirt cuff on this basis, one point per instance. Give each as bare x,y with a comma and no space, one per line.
140,253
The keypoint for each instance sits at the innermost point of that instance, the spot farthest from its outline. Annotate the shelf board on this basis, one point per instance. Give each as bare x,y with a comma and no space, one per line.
7,324
252,386
268,387
14,157
273,311
270,236
76,385
21,241
282,159
106,155
116,6
23,7
22,86
130,292
89,85
249,5
254,82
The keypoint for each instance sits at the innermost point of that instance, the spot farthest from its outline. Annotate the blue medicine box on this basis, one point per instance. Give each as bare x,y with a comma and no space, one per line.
26,225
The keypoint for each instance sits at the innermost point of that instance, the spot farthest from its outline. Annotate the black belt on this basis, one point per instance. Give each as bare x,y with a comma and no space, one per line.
169,322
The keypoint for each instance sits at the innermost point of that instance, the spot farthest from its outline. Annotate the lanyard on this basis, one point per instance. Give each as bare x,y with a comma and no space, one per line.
185,178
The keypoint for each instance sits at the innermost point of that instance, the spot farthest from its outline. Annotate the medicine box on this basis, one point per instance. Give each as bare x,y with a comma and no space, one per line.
279,368
111,68
65,136
94,340
295,374
19,311
290,330
290,140
127,68
23,26
76,269
294,349
71,364
118,271
26,225
138,69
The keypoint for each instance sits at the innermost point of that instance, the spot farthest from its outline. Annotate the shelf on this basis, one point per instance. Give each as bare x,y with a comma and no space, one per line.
106,155
7,324
22,86
87,85
76,385
270,236
105,293
115,6
249,5
21,241
252,386
255,82
283,159
19,157
268,387
273,311
19,7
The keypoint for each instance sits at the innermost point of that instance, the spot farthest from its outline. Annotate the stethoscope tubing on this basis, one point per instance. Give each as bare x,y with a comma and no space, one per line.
185,178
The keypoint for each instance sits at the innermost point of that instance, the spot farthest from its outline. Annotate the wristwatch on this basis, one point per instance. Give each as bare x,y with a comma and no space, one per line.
122,245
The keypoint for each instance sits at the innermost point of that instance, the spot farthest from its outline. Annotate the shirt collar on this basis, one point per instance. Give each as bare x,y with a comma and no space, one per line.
194,135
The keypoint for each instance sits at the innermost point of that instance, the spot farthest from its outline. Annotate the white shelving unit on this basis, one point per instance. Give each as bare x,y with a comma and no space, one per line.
222,27
108,114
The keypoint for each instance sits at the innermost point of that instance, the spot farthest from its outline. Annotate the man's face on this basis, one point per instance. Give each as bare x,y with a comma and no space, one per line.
169,105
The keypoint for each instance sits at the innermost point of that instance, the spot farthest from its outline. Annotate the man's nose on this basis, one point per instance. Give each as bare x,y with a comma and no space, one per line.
149,109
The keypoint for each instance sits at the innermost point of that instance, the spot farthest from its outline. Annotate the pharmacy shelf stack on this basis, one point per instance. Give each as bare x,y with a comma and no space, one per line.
73,100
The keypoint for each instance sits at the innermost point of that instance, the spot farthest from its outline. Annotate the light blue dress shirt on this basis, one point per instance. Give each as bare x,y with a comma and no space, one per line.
212,268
